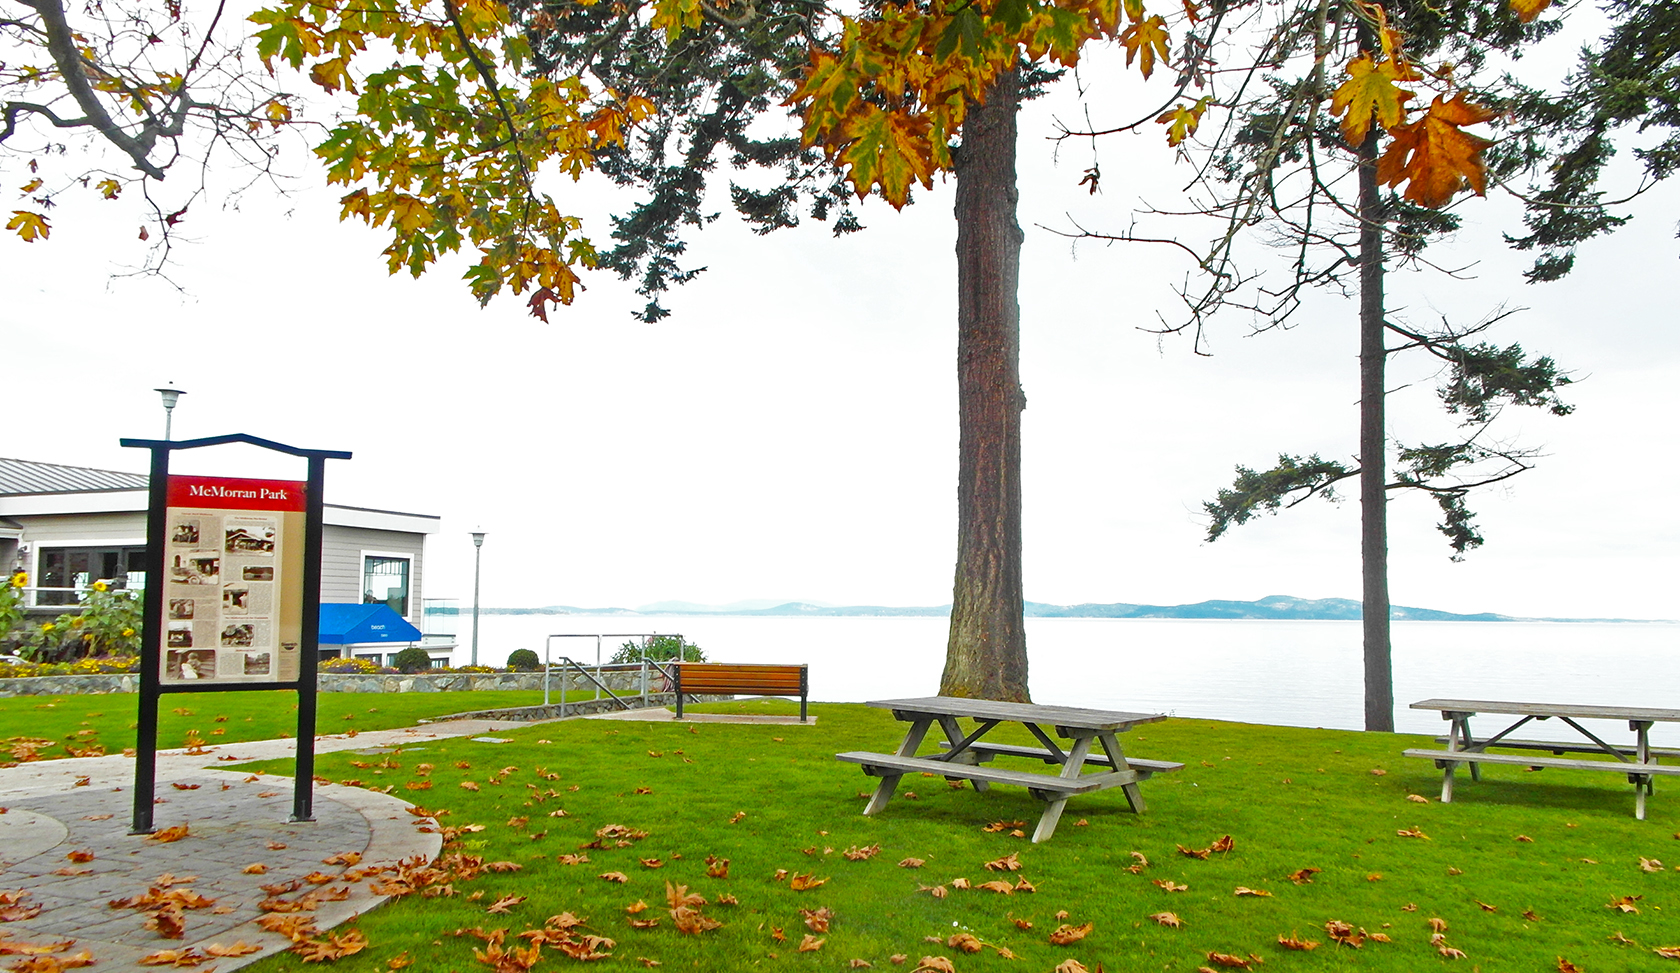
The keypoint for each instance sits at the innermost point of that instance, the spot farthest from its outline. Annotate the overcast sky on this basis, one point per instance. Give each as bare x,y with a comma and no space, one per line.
790,432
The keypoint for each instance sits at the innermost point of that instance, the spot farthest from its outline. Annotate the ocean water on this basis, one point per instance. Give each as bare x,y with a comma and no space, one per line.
1290,673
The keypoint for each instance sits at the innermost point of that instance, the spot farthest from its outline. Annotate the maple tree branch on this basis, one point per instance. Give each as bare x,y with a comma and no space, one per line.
61,45
16,108
1126,237
489,78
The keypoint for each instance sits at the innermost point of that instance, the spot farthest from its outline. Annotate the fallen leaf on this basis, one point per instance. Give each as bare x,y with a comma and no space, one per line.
817,919
1412,833
860,964
1200,853
1564,966
1170,886
1070,966
1293,942
504,904
1417,798
255,868
1168,919
1650,865
1523,837
1065,933
934,964
1625,903
965,942
173,957
239,948
1343,934
1245,890
1303,876
1008,863
810,944
615,877
1668,952
801,883
912,863
1229,961
1224,844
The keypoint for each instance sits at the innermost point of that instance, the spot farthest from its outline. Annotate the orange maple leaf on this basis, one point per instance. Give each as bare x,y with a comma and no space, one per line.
1436,158
1527,10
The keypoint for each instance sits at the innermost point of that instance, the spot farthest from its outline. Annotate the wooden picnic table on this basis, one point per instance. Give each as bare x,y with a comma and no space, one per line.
1640,762
965,752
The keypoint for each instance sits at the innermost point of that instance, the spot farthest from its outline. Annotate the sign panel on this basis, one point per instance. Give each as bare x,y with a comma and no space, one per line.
233,564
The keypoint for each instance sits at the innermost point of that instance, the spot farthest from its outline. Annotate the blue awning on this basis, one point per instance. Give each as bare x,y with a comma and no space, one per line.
357,624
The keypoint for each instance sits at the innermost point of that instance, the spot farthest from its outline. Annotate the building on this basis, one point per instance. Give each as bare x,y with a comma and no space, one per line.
69,526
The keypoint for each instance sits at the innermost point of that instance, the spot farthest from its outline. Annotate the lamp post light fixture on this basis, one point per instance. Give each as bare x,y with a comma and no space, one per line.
171,395
478,558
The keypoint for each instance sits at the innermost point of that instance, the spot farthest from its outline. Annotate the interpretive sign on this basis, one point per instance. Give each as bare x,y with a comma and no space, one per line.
233,555
233,597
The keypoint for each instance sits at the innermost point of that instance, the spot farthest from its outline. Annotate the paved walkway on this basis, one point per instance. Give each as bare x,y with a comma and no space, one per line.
234,818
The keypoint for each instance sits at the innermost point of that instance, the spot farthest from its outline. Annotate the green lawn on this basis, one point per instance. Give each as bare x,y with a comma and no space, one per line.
82,722
1522,868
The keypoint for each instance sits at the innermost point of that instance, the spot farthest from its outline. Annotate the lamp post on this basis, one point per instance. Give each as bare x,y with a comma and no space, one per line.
171,395
478,558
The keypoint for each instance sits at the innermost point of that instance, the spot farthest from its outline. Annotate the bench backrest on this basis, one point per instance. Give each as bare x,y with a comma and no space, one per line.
745,678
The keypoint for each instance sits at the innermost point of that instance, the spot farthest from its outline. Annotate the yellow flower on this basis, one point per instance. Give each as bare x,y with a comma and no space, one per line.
20,579
127,632
48,627
76,622
101,586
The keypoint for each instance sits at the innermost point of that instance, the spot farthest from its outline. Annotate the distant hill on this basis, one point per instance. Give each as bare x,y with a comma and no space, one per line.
1274,607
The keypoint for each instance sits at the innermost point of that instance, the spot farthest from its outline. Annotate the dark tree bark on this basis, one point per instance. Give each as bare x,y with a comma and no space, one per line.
1373,448
986,656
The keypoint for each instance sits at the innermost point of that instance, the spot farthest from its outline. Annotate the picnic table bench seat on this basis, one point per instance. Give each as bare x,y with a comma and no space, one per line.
1564,746
1145,768
745,679
1633,770
883,764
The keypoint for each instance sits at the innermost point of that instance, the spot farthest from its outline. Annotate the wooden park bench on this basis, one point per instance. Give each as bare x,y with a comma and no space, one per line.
742,679
1640,762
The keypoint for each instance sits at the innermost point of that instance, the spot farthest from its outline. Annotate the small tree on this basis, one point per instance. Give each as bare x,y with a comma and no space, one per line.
523,660
412,659
660,648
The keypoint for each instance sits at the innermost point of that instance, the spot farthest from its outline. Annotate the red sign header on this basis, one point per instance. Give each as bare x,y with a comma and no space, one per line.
227,493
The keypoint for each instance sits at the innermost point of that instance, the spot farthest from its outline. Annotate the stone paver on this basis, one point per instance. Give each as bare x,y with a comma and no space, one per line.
234,819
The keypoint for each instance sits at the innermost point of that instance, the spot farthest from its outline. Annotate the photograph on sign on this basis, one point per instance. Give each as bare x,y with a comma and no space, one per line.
234,600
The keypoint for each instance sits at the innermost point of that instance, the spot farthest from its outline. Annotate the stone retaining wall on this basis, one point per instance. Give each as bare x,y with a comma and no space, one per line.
620,680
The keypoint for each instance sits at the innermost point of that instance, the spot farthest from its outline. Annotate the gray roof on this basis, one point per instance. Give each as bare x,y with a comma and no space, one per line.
19,477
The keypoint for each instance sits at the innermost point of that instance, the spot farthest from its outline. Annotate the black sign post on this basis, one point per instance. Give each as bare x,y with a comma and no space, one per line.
160,573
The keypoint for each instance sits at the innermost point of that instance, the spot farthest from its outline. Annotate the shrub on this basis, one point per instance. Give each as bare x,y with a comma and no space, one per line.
473,669
364,666
80,667
660,648
412,659
523,660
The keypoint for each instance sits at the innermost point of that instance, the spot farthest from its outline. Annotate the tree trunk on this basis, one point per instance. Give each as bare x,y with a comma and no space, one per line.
1373,448
986,656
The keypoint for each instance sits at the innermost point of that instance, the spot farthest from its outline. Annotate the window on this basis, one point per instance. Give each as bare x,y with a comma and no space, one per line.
385,581
79,567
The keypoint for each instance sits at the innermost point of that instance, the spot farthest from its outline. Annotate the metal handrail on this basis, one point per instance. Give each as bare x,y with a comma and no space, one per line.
568,663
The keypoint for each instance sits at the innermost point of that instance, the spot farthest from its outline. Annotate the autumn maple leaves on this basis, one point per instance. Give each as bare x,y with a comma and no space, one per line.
1432,155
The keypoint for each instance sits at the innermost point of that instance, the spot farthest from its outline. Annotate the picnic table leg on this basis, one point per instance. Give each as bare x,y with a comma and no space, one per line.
1642,752
954,733
1458,738
1054,803
889,782
1117,757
